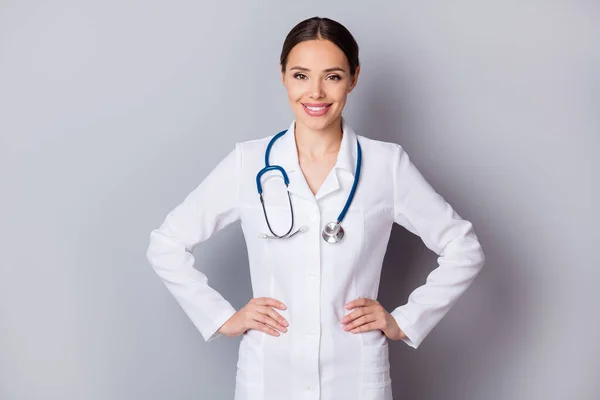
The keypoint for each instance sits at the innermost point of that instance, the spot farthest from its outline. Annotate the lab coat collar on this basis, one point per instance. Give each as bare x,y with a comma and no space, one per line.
285,153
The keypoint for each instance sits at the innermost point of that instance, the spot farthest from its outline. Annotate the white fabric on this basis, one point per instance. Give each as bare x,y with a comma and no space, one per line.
316,358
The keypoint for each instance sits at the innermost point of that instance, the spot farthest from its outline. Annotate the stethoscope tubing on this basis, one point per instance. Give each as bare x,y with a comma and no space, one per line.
286,180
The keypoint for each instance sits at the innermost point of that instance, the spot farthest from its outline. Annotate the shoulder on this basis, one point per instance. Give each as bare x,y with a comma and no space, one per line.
383,150
254,146
251,153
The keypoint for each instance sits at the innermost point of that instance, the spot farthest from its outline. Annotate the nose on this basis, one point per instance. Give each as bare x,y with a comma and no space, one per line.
316,89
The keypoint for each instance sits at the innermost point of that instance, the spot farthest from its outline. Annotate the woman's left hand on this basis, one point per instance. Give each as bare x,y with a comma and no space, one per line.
370,315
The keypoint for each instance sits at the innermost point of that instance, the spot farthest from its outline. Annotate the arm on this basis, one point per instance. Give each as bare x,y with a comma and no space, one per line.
422,211
208,208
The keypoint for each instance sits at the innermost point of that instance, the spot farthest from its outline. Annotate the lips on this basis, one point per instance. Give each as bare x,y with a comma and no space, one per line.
316,104
316,109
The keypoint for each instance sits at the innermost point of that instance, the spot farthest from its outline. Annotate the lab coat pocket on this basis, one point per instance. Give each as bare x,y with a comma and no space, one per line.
376,366
255,227
283,256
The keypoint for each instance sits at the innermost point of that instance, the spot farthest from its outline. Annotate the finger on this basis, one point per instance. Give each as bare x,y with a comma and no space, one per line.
264,328
267,310
365,319
360,302
274,324
359,312
366,327
276,316
267,320
354,315
268,301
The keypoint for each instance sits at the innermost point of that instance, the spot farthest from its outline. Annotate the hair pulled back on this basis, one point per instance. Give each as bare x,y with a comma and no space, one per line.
318,28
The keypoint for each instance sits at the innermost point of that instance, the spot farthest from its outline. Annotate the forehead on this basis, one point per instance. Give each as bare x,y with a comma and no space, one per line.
317,54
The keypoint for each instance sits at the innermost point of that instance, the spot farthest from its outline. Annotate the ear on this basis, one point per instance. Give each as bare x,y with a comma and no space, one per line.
354,79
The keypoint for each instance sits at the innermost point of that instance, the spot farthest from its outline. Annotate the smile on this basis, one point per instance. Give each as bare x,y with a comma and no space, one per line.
316,110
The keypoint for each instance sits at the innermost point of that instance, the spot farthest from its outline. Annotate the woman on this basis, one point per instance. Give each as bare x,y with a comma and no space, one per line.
314,328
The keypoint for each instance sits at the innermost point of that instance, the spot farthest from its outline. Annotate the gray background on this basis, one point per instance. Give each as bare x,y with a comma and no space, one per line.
112,111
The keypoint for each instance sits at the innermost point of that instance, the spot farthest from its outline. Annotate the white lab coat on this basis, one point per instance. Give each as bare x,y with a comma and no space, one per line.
316,358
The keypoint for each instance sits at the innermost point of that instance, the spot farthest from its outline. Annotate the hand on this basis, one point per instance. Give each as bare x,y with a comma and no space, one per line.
257,314
371,315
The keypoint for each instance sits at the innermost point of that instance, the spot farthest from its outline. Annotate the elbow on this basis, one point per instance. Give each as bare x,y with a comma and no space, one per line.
469,248
478,256
153,246
162,245
475,248
482,258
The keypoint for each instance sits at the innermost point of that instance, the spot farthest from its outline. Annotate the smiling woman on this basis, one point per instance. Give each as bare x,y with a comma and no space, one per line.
314,328
323,56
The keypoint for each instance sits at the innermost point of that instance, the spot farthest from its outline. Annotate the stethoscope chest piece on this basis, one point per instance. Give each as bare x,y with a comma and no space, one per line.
333,232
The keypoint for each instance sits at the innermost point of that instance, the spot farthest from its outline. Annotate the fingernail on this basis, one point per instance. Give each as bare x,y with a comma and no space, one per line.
284,306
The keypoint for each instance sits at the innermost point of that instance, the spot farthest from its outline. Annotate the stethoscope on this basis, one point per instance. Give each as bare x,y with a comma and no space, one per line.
333,231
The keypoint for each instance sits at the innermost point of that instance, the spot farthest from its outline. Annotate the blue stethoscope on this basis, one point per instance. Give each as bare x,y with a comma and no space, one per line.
333,231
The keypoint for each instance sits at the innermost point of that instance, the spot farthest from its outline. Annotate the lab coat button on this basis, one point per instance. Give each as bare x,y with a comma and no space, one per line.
310,387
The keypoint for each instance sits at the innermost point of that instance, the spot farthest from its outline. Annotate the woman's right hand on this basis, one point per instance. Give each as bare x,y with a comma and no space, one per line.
257,314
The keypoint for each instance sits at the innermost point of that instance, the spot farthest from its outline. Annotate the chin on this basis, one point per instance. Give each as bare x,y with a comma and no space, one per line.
316,123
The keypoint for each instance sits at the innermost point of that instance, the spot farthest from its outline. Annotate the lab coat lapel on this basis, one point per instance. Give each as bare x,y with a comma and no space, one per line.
344,164
330,185
285,154
298,185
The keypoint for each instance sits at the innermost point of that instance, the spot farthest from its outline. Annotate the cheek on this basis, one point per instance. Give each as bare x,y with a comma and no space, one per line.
340,93
295,95
294,91
336,92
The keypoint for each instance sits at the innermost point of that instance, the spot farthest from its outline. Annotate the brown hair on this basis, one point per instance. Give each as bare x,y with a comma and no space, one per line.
324,29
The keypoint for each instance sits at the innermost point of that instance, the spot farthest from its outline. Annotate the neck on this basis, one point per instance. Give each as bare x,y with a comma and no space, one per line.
314,144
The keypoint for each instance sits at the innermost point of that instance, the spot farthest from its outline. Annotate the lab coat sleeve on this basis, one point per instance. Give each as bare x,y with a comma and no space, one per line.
422,211
208,208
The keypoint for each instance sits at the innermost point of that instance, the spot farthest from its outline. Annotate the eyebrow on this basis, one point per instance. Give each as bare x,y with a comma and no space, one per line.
299,68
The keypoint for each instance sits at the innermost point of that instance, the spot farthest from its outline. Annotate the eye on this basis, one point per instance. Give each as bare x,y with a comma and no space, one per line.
296,75
337,77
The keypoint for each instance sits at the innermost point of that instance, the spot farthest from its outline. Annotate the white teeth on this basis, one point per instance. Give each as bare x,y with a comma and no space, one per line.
315,108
